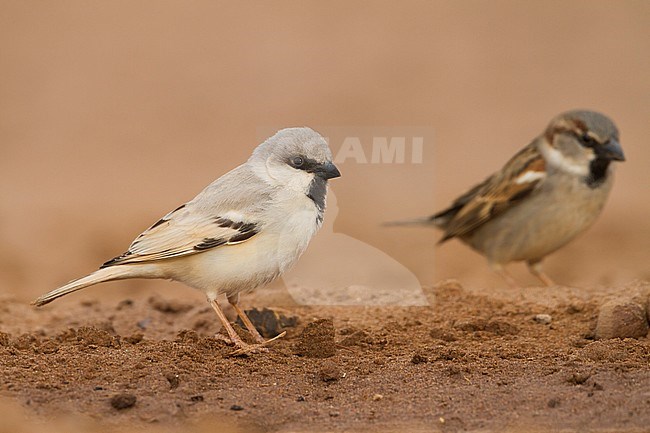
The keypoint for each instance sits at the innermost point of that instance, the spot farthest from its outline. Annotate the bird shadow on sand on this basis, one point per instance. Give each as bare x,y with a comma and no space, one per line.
338,269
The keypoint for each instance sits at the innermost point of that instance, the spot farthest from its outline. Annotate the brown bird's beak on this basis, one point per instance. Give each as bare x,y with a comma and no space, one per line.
612,150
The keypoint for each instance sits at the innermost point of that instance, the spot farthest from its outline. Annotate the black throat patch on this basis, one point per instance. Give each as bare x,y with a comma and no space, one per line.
597,172
317,193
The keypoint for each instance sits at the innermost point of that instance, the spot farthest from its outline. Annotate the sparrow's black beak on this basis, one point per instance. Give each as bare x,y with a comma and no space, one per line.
327,171
611,150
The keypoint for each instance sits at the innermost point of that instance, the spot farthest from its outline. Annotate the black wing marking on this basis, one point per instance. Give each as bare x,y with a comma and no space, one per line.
177,241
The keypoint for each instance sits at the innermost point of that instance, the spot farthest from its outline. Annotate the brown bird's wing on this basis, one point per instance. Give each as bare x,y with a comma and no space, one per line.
498,193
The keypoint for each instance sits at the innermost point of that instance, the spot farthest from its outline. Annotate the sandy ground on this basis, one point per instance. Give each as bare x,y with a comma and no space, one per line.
114,113
469,362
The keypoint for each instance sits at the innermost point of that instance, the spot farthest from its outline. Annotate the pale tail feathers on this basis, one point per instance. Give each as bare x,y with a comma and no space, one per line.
99,276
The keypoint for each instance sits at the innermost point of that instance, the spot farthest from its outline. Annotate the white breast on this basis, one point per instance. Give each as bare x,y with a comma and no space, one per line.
285,234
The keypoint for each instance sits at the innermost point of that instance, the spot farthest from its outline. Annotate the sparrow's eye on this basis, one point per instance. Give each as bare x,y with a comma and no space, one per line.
587,140
297,161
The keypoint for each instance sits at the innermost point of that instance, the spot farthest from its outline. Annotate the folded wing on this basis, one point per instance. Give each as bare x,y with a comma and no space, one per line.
498,193
182,232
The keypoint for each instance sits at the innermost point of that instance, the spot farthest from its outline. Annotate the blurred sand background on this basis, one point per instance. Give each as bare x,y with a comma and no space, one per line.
113,113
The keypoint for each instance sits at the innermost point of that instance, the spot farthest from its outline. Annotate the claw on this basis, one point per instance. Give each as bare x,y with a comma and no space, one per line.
245,349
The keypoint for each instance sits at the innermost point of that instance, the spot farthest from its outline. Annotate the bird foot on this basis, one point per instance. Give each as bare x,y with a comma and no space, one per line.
245,349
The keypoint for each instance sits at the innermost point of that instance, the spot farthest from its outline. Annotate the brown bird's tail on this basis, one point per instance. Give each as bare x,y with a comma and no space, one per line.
99,276
423,221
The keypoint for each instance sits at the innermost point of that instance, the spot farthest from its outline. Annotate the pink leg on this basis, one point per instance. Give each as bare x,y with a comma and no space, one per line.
535,268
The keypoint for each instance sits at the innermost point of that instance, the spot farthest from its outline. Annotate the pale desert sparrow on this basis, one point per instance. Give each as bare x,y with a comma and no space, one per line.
241,232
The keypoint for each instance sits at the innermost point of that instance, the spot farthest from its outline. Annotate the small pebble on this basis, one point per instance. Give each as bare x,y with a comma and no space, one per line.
419,359
442,334
377,397
169,306
124,303
269,322
236,407
173,380
544,319
329,372
134,338
621,318
579,378
123,401
554,402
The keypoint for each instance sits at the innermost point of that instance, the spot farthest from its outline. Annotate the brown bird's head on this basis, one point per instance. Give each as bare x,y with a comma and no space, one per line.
583,143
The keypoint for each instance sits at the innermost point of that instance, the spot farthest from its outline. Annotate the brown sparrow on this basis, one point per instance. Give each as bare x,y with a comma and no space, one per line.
548,193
